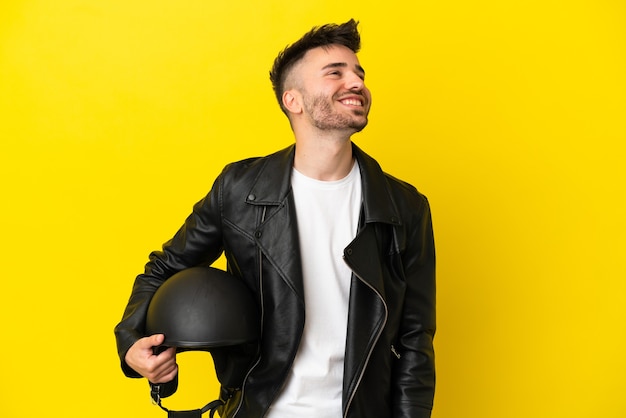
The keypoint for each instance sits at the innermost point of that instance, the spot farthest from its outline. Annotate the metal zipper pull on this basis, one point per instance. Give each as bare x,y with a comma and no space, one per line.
395,353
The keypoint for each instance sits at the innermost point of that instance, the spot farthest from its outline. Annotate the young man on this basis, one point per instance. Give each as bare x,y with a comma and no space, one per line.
340,255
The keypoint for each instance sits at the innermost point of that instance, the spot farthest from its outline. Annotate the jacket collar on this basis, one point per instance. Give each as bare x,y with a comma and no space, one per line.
274,183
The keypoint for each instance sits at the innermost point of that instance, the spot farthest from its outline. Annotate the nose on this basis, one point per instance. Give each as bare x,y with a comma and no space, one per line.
354,82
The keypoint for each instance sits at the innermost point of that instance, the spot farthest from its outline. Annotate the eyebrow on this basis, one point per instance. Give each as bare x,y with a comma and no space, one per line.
343,65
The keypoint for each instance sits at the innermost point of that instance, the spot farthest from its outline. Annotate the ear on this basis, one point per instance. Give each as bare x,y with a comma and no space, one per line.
292,100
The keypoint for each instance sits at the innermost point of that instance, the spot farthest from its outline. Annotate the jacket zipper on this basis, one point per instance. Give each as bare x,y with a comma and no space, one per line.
369,354
262,306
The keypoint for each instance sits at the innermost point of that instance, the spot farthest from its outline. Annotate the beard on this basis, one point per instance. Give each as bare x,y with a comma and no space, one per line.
324,117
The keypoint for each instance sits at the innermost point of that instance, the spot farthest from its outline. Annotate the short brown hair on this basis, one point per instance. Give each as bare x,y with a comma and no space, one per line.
345,34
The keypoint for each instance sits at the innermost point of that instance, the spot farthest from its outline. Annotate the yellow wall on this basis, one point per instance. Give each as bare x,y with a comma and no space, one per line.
115,116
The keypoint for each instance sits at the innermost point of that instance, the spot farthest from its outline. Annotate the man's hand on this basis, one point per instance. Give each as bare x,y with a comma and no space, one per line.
160,368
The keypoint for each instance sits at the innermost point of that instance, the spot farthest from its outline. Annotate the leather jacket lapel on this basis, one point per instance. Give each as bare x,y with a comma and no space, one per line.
277,233
378,204
367,313
368,310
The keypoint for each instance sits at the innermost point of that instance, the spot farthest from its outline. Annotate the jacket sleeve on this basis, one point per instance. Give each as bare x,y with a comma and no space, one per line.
197,242
414,384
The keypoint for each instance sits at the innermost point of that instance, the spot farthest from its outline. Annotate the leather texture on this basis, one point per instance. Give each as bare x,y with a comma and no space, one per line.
249,216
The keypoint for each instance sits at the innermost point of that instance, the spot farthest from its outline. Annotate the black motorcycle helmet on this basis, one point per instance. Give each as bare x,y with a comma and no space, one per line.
207,309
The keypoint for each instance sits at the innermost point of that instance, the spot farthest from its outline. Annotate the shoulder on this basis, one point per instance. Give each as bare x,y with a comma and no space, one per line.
248,169
404,189
413,206
381,182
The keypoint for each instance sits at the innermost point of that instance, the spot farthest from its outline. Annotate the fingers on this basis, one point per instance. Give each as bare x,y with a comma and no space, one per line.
154,340
159,368
165,367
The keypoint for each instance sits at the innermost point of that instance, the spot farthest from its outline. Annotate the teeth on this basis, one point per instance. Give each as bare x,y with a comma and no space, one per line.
352,102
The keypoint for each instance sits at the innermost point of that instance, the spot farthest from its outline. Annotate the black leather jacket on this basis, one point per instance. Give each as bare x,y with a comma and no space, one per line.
249,216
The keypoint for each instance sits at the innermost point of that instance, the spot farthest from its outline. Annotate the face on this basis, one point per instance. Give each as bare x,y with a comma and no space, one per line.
332,88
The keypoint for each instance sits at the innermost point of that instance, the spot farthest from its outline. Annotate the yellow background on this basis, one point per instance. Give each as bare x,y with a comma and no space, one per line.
115,116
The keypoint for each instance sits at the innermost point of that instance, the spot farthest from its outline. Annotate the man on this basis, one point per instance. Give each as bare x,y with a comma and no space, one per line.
340,256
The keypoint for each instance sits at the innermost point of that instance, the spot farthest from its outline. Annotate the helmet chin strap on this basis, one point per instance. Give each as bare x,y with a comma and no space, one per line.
195,413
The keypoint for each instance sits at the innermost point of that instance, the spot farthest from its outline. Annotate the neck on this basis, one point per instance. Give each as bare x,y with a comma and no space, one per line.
323,158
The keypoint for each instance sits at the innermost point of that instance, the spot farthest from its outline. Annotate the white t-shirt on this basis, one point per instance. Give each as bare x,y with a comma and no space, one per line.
328,215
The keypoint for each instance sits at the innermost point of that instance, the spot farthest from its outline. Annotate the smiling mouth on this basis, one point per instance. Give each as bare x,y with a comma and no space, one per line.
352,102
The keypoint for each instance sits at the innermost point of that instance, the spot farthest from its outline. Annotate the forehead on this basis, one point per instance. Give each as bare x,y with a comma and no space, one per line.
318,58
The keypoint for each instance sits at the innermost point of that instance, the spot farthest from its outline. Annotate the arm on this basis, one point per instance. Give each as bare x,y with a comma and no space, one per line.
414,382
197,242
